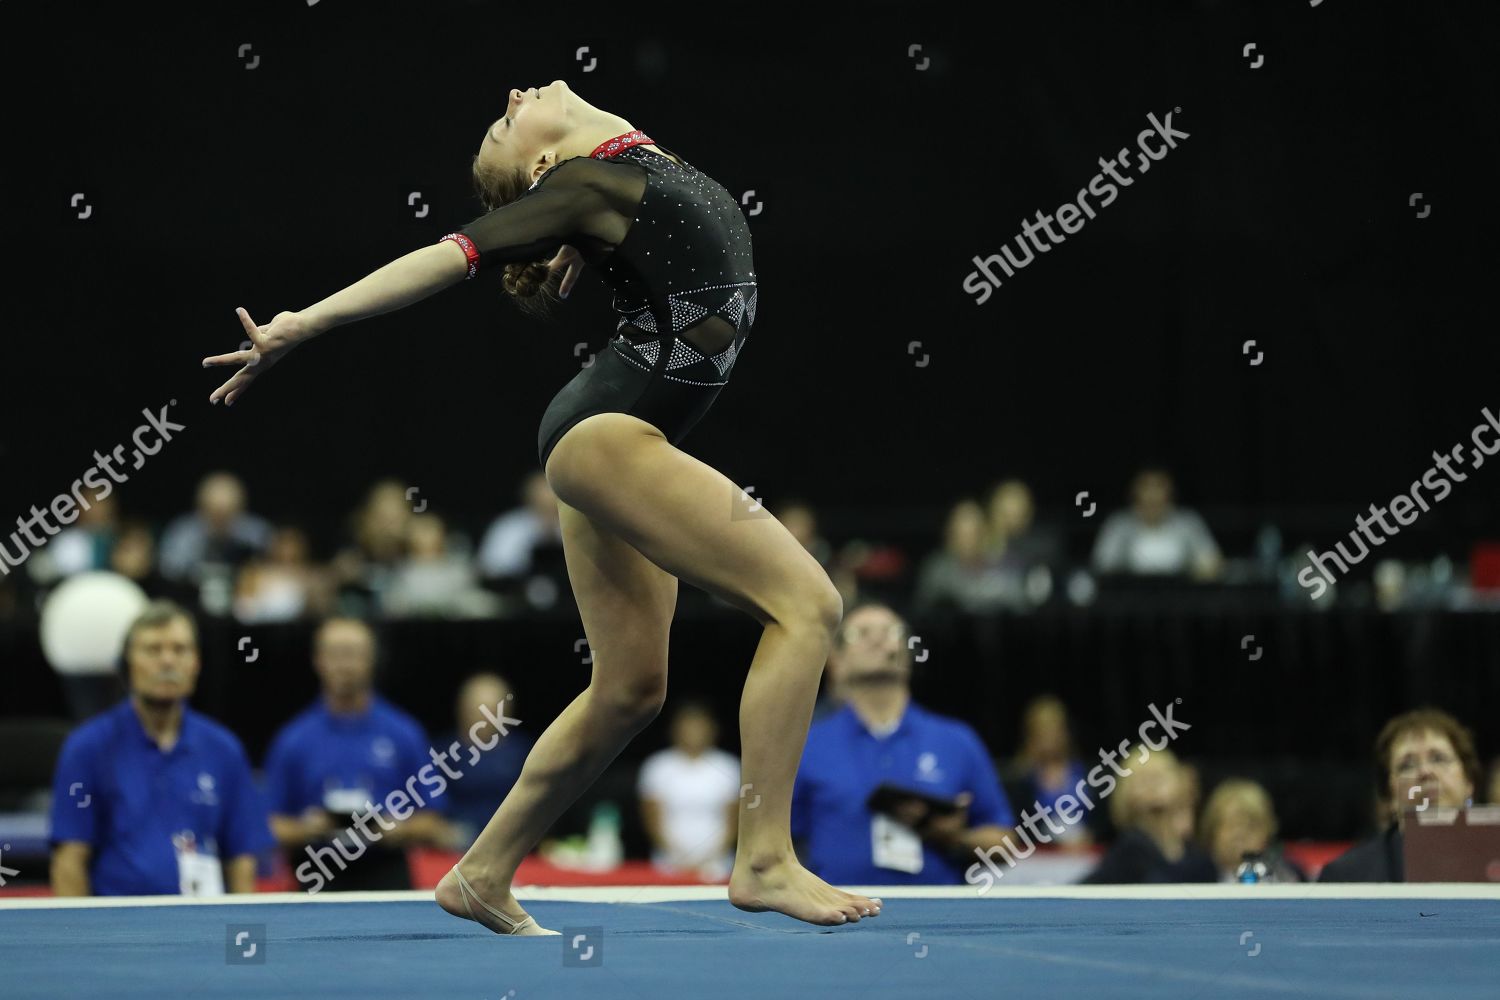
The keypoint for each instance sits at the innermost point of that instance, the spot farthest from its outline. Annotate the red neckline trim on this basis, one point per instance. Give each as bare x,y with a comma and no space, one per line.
620,143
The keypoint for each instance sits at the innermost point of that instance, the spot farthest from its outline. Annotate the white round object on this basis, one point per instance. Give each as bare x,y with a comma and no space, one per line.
84,621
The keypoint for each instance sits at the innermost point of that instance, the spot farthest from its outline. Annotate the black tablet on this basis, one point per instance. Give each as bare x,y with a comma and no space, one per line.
885,798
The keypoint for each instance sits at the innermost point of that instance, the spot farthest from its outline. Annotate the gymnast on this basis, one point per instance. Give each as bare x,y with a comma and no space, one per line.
566,184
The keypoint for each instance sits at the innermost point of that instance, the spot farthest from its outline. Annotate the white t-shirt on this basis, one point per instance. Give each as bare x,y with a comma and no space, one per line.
693,793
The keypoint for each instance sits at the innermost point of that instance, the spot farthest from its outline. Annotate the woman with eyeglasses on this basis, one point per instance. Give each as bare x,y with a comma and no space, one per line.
1423,758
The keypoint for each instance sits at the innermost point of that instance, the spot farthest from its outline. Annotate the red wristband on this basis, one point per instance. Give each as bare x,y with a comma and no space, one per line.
470,251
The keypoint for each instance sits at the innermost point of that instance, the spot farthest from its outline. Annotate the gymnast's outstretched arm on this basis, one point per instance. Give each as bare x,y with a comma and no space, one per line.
536,225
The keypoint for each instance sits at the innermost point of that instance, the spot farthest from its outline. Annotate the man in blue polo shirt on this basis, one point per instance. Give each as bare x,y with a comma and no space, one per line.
150,797
352,780
880,737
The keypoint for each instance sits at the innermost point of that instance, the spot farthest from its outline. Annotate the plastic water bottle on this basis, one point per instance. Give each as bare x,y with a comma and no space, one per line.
1252,869
605,849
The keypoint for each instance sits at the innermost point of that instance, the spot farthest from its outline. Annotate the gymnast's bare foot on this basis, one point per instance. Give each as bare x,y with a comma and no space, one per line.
490,905
785,886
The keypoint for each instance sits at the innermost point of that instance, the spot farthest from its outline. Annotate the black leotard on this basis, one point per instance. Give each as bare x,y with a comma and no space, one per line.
682,274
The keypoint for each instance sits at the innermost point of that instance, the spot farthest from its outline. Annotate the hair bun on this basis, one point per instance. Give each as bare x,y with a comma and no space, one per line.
524,280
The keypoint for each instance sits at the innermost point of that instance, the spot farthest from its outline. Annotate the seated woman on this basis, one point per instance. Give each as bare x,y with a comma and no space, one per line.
1239,820
1421,755
1152,808
1046,767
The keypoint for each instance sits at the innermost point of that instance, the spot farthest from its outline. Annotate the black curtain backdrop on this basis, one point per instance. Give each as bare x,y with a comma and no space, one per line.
1333,203
1285,218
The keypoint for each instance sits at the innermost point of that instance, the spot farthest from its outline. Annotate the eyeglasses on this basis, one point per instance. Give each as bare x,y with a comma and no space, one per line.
1411,765
864,632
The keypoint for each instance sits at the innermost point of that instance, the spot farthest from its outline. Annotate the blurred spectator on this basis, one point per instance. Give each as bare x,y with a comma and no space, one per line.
881,738
1321,593
487,775
380,532
219,532
798,517
1153,537
1422,755
433,579
1239,821
1152,812
507,548
282,585
1013,537
347,751
963,574
84,545
1494,794
1047,767
134,556
150,797
690,796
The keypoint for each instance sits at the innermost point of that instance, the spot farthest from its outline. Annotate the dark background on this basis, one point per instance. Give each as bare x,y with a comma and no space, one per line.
1283,218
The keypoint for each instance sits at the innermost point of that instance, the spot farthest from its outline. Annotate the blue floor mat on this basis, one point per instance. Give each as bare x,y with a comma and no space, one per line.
980,949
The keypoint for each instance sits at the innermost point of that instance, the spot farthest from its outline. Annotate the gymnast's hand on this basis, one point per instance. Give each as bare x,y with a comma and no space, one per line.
570,262
268,345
